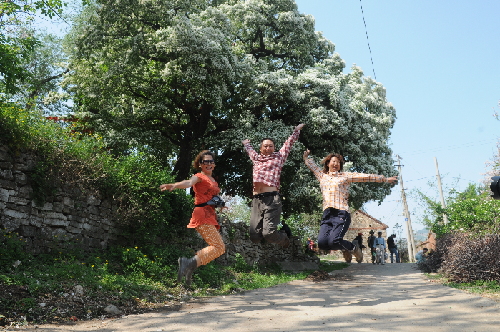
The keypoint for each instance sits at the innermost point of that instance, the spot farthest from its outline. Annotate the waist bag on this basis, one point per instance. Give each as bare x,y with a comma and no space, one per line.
215,201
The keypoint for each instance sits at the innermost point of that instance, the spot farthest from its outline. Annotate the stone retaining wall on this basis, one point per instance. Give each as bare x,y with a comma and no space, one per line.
68,217
72,218
237,241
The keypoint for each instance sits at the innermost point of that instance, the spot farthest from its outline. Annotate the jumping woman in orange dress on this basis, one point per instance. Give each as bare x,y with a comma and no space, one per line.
203,218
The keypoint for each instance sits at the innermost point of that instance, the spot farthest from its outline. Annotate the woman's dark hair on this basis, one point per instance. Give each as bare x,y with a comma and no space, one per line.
199,158
327,159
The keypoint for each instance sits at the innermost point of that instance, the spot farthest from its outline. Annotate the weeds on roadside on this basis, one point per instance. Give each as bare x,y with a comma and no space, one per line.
479,287
46,288
489,289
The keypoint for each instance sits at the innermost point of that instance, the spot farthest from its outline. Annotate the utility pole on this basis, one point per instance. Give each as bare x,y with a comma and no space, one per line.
443,205
411,242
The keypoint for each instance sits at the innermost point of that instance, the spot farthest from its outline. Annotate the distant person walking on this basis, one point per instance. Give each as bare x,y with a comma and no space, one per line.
334,184
393,248
266,203
311,244
203,219
359,238
371,245
380,248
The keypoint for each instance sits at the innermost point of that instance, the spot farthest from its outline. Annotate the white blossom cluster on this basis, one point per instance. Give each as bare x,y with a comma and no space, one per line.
177,75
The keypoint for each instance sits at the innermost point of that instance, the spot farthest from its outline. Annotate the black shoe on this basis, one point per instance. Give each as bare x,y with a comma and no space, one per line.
180,272
186,268
192,264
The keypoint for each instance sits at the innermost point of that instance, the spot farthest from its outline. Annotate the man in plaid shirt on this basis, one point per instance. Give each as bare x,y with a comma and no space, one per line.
266,203
334,186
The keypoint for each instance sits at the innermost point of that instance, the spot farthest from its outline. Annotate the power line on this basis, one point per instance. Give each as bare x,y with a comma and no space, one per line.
367,40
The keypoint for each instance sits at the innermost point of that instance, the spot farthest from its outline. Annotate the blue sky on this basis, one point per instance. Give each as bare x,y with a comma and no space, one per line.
440,64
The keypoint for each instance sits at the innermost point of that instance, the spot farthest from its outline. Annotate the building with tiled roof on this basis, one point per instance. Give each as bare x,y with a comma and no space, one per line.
362,222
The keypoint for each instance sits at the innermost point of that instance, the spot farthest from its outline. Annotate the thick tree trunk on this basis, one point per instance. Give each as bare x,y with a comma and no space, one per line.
194,130
182,168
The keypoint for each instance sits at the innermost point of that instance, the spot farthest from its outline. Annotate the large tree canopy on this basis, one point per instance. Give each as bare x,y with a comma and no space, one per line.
175,77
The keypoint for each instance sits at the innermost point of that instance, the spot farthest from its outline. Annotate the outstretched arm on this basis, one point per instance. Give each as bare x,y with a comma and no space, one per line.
312,165
180,185
362,177
287,146
249,149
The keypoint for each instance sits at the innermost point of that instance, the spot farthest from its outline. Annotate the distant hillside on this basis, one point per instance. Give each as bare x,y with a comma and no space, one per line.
421,235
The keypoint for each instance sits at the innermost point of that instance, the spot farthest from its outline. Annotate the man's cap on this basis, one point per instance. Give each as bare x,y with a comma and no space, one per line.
371,232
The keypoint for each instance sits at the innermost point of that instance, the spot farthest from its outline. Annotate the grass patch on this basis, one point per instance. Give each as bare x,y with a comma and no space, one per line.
490,289
327,265
72,286
478,286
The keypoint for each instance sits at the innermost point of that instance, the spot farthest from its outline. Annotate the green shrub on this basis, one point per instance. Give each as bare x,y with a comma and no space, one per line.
131,181
12,251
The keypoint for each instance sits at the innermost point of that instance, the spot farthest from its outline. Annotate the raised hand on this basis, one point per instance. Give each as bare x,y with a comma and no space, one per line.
392,179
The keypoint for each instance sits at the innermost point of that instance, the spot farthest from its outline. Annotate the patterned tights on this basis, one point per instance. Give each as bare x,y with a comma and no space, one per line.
216,246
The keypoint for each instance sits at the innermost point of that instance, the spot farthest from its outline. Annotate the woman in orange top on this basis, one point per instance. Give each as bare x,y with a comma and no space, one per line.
203,218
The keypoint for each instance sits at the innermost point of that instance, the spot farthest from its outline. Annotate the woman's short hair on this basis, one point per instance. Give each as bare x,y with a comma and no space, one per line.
327,159
199,158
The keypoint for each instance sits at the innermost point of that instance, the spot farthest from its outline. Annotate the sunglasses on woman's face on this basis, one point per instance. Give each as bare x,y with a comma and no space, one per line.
208,162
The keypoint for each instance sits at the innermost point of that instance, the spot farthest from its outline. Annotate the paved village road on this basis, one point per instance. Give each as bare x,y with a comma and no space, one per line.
365,297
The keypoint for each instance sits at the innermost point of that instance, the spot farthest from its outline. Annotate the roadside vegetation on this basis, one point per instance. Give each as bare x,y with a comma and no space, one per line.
489,289
466,255
67,286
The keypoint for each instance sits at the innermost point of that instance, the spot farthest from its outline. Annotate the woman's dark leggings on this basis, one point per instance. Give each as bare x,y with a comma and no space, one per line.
334,225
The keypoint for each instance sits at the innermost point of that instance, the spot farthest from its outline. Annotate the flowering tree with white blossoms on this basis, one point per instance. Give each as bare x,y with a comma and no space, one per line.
175,77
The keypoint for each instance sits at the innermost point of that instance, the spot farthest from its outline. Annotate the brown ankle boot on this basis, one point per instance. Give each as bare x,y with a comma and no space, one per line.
347,255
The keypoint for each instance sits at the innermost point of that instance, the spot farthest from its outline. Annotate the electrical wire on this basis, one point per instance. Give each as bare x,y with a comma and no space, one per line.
367,40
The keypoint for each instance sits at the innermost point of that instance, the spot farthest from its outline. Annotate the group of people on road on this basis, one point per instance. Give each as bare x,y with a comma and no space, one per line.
266,201
378,248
